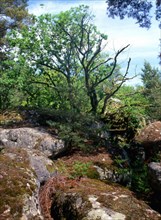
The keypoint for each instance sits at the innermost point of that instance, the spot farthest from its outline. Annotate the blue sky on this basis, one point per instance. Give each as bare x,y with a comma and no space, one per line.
144,44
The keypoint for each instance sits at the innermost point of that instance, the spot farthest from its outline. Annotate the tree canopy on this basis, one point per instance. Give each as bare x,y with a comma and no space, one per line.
67,49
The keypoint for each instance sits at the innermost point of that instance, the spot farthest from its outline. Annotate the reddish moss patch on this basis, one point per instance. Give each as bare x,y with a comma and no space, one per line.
101,156
58,189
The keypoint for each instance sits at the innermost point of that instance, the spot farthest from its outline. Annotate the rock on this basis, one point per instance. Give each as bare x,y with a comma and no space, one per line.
32,138
18,186
151,134
89,199
155,175
111,173
150,139
41,165
154,170
102,213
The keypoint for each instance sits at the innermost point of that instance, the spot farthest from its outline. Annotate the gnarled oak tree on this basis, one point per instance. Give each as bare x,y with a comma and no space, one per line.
69,46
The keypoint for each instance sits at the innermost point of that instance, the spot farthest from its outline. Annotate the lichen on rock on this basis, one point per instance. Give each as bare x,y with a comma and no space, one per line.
102,213
32,138
90,199
18,186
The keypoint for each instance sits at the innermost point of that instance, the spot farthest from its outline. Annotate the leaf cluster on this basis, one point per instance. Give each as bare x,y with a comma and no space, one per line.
151,78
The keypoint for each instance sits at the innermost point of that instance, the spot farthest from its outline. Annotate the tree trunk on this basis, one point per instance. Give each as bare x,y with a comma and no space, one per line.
94,101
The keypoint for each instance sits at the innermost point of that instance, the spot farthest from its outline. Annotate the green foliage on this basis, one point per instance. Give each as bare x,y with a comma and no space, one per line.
135,171
140,182
13,14
64,53
151,78
81,169
76,130
126,112
8,87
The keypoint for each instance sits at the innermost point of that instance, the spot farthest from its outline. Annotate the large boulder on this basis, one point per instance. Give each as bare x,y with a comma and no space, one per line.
151,134
32,138
150,139
89,199
19,186
154,169
155,175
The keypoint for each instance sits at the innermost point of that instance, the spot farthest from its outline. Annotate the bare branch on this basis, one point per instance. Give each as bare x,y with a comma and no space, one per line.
108,96
95,67
114,65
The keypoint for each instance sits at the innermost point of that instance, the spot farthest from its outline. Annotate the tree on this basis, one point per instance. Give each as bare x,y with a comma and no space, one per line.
151,78
69,47
12,15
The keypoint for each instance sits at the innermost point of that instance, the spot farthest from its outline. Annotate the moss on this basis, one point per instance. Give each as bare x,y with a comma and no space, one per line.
65,198
92,173
75,168
51,167
10,117
62,167
105,165
17,180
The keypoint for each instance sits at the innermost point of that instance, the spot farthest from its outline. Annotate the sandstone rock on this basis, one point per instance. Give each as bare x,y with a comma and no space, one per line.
18,187
32,138
40,164
102,213
154,170
150,139
111,173
151,134
87,199
155,175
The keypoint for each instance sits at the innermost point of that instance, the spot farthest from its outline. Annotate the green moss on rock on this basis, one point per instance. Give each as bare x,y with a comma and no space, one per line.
85,197
17,180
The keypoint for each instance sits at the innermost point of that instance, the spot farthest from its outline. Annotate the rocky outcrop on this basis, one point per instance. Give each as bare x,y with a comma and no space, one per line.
32,186
32,138
155,176
24,167
18,186
89,199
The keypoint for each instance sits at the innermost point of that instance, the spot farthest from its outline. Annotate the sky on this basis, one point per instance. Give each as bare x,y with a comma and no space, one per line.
144,44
